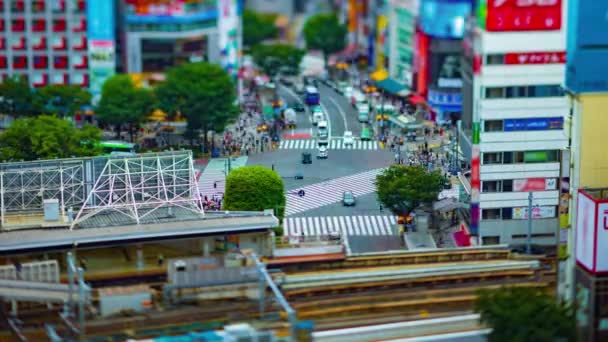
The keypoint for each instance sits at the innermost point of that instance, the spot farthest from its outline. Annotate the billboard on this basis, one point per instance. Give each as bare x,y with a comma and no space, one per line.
101,44
538,212
591,232
534,184
228,23
402,26
533,124
547,57
443,19
520,15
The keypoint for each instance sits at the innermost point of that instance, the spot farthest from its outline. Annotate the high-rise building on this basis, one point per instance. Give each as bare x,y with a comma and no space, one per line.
45,41
514,118
586,262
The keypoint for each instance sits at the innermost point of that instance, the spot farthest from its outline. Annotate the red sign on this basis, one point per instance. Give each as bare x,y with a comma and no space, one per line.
534,184
536,58
524,15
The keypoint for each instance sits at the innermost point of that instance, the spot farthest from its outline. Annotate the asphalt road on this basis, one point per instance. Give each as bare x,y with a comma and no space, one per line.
339,164
303,119
341,113
366,205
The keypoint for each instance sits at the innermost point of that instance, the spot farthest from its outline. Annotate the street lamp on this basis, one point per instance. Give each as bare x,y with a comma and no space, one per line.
529,237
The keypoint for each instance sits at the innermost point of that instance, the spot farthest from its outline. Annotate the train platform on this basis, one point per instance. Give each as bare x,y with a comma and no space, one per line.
109,233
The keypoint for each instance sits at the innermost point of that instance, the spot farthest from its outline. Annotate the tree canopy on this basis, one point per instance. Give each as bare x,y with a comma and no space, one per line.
61,100
401,188
203,92
324,32
518,314
254,188
272,58
47,137
16,98
122,103
257,27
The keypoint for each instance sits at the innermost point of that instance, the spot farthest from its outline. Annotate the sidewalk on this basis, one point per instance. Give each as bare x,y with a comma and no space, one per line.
212,181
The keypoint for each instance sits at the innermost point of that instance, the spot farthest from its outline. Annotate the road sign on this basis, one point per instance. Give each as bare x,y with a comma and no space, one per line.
301,193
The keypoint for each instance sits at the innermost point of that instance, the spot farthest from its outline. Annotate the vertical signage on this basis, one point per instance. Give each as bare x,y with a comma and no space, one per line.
382,23
101,48
475,180
422,61
585,231
228,26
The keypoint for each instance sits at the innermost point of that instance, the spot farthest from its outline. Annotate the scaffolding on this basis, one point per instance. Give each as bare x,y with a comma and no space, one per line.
132,186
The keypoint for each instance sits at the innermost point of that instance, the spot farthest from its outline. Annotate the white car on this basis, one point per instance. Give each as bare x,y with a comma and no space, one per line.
348,92
348,138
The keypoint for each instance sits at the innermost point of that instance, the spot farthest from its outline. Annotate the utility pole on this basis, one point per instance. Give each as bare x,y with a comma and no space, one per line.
529,239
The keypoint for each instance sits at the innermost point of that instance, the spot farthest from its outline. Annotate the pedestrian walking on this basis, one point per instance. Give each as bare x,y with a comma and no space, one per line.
18,268
161,259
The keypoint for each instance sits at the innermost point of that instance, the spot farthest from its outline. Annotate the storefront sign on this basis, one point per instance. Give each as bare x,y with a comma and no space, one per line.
555,57
534,184
533,124
444,99
591,233
449,82
521,213
523,15
535,156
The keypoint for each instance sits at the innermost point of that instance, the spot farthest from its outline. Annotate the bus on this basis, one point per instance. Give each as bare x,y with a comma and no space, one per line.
117,147
312,96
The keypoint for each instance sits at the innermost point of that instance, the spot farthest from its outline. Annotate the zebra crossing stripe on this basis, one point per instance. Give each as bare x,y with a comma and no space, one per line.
369,225
334,144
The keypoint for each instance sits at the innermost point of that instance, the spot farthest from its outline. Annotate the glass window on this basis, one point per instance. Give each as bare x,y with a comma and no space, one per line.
507,213
507,157
545,91
518,157
495,59
490,214
490,186
507,185
495,92
492,158
514,92
492,126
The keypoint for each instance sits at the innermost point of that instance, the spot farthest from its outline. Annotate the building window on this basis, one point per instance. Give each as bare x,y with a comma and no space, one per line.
545,91
493,126
507,213
492,158
495,92
38,6
495,59
490,240
514,92
507,185
490,214
17,6
490,186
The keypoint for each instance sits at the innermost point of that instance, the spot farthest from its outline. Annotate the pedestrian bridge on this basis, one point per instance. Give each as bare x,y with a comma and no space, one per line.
30,291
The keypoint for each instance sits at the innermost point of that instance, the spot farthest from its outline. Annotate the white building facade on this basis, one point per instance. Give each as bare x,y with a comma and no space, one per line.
513,89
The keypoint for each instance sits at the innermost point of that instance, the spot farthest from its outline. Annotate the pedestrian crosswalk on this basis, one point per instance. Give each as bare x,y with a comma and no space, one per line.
212,180
329,192
370,225
334,144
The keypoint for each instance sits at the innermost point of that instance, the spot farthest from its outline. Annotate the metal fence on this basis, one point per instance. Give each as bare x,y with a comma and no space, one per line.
40,271
207,271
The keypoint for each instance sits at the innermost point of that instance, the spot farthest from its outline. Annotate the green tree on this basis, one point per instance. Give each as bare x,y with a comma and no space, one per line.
254,188
257,27
203,92
62,100
324,32
518,314
272,58
122,103
47,137
403,188
16,98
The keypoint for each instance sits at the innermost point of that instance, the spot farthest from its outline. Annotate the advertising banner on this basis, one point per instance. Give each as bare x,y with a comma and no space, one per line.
521,213
444,19
585,231
402,26
533,124
534,184
521,15
555,57
228,27
101,48
444,98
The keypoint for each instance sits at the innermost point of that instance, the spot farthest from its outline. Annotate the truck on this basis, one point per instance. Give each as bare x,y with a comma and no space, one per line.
290,118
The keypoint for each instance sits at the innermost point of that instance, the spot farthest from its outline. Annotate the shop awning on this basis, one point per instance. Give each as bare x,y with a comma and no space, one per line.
416,99
393,87
402,121
379,75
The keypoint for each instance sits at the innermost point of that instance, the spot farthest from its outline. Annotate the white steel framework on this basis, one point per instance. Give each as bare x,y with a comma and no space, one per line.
138,186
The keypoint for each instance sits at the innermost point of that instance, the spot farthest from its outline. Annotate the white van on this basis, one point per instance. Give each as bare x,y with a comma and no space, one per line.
317,117
322,128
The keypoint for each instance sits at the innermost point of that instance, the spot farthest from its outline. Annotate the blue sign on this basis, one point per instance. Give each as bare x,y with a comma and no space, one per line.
172,19
533,124
439,98
100,20
444,18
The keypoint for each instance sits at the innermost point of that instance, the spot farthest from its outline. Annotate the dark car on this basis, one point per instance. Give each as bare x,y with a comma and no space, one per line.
306,158
298,107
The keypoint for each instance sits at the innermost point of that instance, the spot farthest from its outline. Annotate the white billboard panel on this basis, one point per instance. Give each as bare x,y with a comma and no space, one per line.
601,253
585,231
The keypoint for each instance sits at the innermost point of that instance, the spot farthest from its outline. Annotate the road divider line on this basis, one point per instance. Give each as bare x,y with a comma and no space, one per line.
341,113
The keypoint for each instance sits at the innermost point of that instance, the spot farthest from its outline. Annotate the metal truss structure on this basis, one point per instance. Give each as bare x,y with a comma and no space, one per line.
138,186
24,186
135,186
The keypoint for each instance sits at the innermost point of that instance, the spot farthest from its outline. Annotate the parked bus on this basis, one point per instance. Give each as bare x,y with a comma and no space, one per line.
312,96
117,147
